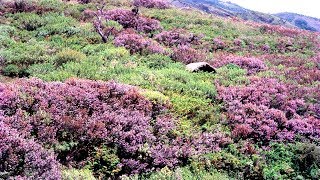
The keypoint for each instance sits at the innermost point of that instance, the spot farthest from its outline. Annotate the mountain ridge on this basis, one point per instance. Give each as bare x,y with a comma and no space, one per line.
229,9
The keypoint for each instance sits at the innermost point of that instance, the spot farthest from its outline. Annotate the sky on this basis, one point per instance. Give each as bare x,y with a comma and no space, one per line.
305,7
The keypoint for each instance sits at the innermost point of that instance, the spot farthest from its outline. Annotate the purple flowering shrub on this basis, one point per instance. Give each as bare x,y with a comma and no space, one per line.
267,110
187,54
251,64
79,116
218,44
299,70
24,159
160,4
137,43
177,37
130,19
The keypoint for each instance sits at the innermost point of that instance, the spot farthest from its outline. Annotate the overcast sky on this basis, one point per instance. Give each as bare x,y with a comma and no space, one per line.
305,7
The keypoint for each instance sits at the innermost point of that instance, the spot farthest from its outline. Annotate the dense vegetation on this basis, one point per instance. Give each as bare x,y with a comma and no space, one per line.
98,89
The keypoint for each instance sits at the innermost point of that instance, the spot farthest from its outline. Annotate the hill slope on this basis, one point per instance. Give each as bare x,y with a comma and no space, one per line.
101,91
301,21
228,9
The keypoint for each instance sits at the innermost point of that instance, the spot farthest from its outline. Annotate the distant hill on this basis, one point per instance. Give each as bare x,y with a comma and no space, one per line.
228,9
301,21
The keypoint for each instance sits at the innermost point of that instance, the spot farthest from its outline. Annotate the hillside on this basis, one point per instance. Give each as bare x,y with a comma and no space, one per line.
95,89
227,9
301,21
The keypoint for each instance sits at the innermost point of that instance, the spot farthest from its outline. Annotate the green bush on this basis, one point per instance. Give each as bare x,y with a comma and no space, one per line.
29,21
68,55
105,162
58,24
156,61
43,68
231,75
200,111
11,70
25,54
180,173
292,161
279,159
75,174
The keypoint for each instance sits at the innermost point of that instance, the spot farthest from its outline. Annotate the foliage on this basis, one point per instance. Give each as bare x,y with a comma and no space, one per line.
70,174
136,43
68,55
129,19
292,161
267,110
252,65
177,37
161,4
96,114
257,117
24,159
187,54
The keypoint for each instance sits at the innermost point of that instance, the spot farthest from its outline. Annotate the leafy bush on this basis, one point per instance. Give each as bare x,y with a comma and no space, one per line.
156,61
25,54
231,75
29,21
11,70
71,174
68,55
292,161
58,24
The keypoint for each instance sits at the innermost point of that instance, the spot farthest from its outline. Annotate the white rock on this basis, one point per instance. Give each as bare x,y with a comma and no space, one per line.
200,66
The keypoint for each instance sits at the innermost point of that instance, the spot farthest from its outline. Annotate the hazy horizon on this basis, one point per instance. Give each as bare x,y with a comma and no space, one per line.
306,7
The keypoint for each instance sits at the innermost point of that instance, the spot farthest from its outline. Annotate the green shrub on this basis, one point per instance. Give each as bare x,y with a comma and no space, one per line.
68,55
44,68
58,24
75,174
193,108
292,161
156,61
280,164
186,173
11,70
155,96
231,75
7,30
235,163
29,21
105,162
25,54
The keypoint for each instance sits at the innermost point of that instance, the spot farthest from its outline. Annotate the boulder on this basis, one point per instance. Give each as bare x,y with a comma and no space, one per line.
200,66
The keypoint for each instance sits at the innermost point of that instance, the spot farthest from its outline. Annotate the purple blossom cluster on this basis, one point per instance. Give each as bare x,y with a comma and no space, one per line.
187,54
160,4
268,110
87,114
177,37
299,70
218,44
24,159
251,64
137,43
130,19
